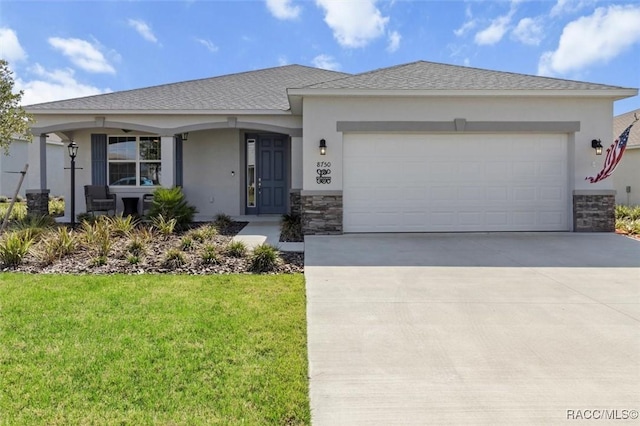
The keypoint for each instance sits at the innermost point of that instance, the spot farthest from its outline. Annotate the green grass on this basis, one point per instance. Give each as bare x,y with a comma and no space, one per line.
168,350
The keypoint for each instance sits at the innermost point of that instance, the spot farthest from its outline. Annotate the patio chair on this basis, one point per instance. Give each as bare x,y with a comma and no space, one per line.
147,202
99,199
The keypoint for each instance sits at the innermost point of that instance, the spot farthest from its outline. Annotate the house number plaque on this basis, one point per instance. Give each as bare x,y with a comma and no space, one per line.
323,170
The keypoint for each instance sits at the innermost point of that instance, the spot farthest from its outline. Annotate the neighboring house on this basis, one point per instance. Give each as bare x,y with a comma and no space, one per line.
626,177
419,147
13,163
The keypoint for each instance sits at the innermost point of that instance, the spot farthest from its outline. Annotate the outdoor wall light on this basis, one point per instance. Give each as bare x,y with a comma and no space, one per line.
185,136
597,145
323,147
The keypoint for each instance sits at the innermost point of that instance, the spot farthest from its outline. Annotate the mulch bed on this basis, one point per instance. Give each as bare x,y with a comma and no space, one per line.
153,260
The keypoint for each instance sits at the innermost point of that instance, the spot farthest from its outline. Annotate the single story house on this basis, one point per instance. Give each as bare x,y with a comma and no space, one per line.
18,155
418,147
626,177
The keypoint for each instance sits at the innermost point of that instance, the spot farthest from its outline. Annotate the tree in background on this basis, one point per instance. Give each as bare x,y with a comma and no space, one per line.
14,120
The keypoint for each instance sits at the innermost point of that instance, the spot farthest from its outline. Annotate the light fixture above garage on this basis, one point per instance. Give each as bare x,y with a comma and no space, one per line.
597,145
323,147
185,136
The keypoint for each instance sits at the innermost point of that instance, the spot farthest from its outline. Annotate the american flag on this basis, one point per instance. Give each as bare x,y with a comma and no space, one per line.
614,155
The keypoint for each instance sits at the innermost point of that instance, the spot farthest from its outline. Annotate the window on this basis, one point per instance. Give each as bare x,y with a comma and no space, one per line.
134,160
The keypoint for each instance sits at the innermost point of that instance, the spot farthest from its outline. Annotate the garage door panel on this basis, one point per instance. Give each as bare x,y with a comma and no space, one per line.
425,183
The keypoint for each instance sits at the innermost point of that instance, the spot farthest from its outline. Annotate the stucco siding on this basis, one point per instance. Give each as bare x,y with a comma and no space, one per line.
628,174
321,115
18,157
213,171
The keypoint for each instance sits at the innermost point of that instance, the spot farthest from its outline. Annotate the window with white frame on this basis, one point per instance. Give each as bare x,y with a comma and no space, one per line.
134,160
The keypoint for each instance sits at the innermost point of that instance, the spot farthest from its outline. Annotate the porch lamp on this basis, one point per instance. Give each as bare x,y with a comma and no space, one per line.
73,152
185,136
323,147
597,145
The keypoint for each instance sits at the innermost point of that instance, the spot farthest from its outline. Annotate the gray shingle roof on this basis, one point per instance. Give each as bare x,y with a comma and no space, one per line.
424,75
621,122
253,90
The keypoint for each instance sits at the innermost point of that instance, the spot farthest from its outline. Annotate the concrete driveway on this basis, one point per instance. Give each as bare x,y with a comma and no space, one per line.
523,328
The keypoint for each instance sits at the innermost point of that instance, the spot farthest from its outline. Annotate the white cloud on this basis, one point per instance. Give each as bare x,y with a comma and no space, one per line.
394,41
83,54
208,44
354,23
529,31
465,28
143,29
282,60
326,62
283,9
468,25
495,31
563,7
593,39
10,48
53,86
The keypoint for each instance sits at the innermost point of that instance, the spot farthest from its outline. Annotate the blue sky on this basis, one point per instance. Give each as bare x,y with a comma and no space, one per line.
64,49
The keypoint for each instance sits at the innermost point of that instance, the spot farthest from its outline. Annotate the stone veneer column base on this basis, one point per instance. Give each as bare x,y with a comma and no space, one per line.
321,212
37,202
295,202
594,211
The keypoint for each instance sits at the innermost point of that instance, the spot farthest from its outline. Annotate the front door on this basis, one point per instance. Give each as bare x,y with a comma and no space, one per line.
271,173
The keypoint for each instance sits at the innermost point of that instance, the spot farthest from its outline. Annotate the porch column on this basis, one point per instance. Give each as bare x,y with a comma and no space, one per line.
168,161
37,158
36,178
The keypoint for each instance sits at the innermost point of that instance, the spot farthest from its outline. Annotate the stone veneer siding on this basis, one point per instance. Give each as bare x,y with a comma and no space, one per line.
321,213
37,202
295,202
594,211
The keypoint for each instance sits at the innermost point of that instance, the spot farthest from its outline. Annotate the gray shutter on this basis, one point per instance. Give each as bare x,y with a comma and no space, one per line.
98,159
179,160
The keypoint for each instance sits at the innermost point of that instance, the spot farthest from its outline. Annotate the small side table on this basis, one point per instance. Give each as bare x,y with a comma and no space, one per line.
130,206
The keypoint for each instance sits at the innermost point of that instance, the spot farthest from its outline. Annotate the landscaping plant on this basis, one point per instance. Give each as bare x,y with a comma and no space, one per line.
237,249
171,203
14,246
164,226
291,228
264,258
209,255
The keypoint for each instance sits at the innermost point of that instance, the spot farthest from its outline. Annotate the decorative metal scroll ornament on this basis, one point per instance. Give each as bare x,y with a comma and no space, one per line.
323,176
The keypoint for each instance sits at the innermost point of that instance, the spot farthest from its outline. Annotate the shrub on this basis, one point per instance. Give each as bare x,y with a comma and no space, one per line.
123,225
186,243
36,225
136,246
14,247
209,255
19,211
291,227
222,222
237,249
4,199
98,235
198,235
133,259
164,226
19,199
56,207
174,259
171,203
209,231
57,244
264,258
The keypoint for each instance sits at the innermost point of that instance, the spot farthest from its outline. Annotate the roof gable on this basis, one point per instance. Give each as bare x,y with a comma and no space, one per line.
422,75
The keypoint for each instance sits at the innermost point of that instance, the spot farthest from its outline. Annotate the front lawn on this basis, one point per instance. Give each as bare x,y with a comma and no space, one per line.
160,349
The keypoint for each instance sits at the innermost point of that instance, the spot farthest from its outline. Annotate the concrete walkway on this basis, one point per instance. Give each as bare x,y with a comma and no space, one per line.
472,328
264,229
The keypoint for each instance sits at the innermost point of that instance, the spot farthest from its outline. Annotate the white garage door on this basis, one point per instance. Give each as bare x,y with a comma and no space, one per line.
442,183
